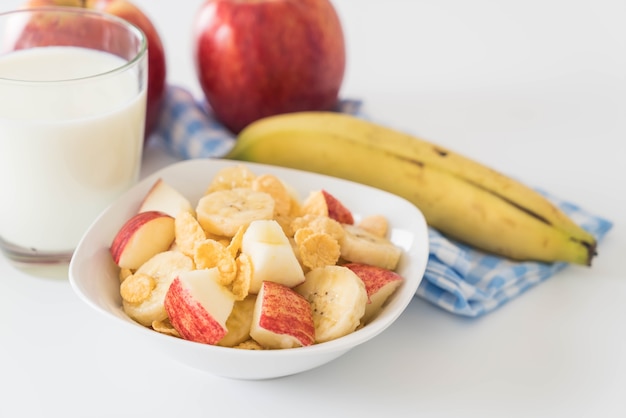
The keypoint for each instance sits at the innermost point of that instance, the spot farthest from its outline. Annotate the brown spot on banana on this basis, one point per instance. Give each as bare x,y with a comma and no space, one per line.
441,152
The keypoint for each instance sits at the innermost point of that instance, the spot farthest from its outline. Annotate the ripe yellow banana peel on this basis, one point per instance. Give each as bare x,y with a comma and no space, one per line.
459,197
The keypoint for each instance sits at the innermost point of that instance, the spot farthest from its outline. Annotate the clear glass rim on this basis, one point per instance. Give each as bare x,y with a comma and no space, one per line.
67,10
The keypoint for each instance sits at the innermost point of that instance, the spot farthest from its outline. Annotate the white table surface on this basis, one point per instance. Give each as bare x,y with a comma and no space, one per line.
534,88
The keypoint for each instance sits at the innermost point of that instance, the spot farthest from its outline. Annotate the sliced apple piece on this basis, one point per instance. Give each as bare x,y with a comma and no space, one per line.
282,318
164,198
380,284
271,255
321,202
198,306
141,237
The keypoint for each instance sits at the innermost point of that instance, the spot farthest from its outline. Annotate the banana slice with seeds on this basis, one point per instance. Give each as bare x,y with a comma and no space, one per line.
338,298
361,246
223,212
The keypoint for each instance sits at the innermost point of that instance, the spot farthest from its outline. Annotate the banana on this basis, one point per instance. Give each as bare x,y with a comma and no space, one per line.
360,246
460,197
223,212
338,298
163,269
239,322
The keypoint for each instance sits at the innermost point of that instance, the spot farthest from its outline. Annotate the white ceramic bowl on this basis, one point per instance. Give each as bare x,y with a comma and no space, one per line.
94,276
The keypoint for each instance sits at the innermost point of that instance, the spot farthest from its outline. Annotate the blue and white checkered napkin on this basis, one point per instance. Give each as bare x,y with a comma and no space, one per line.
458,278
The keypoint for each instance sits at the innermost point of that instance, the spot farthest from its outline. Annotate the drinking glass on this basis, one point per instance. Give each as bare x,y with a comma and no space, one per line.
73,86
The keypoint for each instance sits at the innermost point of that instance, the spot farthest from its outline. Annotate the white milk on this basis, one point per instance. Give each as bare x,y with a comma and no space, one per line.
65,153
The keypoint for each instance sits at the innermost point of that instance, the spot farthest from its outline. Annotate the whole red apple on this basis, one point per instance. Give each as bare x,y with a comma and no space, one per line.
157,70
256,58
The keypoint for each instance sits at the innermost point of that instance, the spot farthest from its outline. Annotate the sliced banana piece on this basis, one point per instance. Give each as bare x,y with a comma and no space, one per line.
230,178
239,322
338,298
223,212
162,269
361,246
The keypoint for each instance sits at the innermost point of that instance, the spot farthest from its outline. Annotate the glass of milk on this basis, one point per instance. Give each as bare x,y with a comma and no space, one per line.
73,88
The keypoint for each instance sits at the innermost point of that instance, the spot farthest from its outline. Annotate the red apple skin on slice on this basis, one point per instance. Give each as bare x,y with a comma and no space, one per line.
380,284
198,306
323,203
141,237
337,210
282,318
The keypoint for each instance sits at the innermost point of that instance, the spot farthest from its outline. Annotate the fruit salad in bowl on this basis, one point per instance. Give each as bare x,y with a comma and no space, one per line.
251,271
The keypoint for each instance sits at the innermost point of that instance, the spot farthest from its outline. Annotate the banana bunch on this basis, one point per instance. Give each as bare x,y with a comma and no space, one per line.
459,197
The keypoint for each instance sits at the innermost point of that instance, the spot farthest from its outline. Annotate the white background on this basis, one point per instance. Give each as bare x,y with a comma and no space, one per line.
534,88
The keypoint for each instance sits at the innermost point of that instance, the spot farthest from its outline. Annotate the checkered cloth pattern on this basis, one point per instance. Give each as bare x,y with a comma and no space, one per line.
458,278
